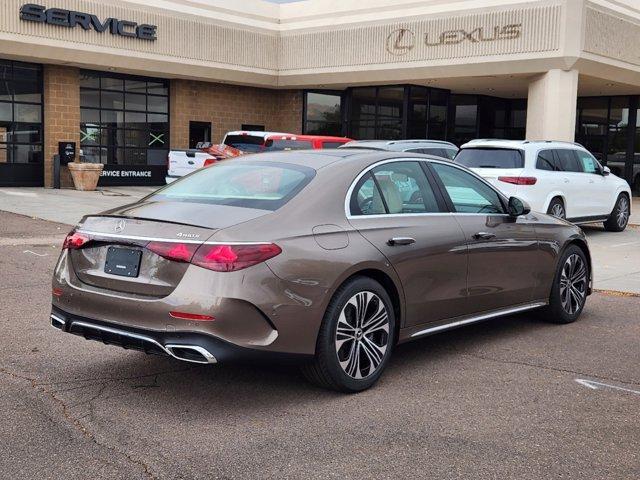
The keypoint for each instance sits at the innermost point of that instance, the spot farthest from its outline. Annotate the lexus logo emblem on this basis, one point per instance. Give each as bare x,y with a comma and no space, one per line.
120,226
400,41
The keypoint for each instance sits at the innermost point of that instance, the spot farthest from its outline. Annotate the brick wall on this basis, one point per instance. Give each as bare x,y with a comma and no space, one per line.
61,116
227,107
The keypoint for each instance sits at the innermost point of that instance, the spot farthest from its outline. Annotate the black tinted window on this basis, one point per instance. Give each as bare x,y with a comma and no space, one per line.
490,158
568,161
546,160
246,143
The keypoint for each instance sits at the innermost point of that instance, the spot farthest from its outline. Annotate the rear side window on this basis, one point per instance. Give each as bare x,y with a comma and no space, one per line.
546,161
490,158
261,185
284,144
568,161
394,188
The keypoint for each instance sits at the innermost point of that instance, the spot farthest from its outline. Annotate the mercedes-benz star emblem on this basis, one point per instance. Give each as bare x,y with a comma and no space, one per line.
120,226
401,41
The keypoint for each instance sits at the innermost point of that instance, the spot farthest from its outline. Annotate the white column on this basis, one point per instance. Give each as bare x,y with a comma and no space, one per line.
551,106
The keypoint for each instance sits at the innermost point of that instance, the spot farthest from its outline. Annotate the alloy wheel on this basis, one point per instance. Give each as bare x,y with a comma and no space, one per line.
362,335
558,210
623,212
573,284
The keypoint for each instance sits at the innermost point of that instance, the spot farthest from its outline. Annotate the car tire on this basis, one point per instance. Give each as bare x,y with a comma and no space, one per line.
557,209
570,287
619,217
352,360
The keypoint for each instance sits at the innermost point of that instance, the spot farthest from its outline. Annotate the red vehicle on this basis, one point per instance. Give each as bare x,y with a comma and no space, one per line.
255,142
182,162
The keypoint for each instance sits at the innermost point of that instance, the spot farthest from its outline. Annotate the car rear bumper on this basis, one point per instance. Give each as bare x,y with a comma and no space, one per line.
191,347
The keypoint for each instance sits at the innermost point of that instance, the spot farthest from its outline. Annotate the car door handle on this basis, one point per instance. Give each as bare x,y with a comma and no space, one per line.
483,236
395,241
566,180
190,162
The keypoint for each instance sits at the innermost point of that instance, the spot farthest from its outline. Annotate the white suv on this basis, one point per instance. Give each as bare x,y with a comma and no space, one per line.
558,178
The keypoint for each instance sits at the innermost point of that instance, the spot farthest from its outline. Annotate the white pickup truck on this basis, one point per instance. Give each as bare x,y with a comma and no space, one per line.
182,162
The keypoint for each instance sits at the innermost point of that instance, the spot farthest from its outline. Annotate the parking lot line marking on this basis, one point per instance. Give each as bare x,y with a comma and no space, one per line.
37,254
596,385
625,244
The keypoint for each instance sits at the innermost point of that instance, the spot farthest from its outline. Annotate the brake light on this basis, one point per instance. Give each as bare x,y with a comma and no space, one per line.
209,161
75,241
519,180
229,258
178,252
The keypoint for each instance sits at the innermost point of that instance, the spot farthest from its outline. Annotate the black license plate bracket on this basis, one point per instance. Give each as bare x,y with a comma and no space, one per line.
124,262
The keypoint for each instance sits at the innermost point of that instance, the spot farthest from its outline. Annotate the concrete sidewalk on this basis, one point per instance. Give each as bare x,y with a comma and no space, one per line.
67,205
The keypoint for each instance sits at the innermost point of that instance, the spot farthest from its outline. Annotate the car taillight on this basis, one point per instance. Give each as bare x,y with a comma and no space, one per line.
178,252
75,241
519,180
209,161
229,258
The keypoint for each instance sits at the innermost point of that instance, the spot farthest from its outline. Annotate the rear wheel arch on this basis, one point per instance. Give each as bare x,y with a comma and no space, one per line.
396,296
582,245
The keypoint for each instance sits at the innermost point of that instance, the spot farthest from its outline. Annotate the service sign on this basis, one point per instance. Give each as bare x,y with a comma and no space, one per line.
31,12
123,175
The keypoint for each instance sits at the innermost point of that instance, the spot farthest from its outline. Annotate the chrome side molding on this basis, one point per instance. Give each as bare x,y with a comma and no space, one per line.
479,318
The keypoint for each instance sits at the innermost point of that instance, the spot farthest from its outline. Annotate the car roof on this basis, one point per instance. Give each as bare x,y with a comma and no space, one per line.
517,144
313,137
255,133
318,159
398,145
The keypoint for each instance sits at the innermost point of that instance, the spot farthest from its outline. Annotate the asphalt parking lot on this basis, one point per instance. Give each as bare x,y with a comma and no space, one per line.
510,398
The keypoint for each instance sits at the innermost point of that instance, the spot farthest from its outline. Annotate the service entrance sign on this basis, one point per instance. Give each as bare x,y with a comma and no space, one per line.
32,12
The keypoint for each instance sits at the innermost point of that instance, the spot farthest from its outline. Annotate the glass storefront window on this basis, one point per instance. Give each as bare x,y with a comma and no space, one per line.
390,113
20,113
124,119
464,111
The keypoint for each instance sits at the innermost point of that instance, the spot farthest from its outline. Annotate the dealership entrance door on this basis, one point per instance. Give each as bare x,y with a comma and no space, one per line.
21,158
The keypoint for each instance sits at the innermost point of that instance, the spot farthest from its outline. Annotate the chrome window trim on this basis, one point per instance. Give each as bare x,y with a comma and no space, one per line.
479,318
347,201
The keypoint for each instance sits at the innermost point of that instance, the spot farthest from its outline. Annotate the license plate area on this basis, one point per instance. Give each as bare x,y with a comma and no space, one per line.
124,262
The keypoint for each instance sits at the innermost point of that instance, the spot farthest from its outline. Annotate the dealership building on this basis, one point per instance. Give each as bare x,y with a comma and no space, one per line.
127,80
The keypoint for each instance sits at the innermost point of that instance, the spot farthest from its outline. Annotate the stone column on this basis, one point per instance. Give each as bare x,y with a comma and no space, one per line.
551,106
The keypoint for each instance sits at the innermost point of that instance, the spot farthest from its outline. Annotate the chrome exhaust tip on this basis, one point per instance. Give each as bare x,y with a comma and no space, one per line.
57,322
190,353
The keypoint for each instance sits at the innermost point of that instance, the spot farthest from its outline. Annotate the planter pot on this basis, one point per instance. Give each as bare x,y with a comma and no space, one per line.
85,175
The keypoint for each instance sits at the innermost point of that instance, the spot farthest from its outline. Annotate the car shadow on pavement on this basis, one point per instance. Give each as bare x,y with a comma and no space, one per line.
267,388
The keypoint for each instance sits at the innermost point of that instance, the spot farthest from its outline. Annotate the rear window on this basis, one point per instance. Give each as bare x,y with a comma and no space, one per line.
246,143
284,144
261,185
490,158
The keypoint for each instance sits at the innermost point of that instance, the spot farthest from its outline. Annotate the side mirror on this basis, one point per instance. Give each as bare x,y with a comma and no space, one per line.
517,207
606,171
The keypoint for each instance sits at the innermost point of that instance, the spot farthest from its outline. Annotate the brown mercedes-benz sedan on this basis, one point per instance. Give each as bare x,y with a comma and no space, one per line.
329,257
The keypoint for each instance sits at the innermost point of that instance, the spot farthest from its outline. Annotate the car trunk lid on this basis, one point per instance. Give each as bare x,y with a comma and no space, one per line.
146,252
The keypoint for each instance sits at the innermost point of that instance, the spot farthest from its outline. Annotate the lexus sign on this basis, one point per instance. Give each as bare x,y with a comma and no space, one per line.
31,12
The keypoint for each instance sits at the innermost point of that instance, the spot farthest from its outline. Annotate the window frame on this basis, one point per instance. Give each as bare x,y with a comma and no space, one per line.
368,171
